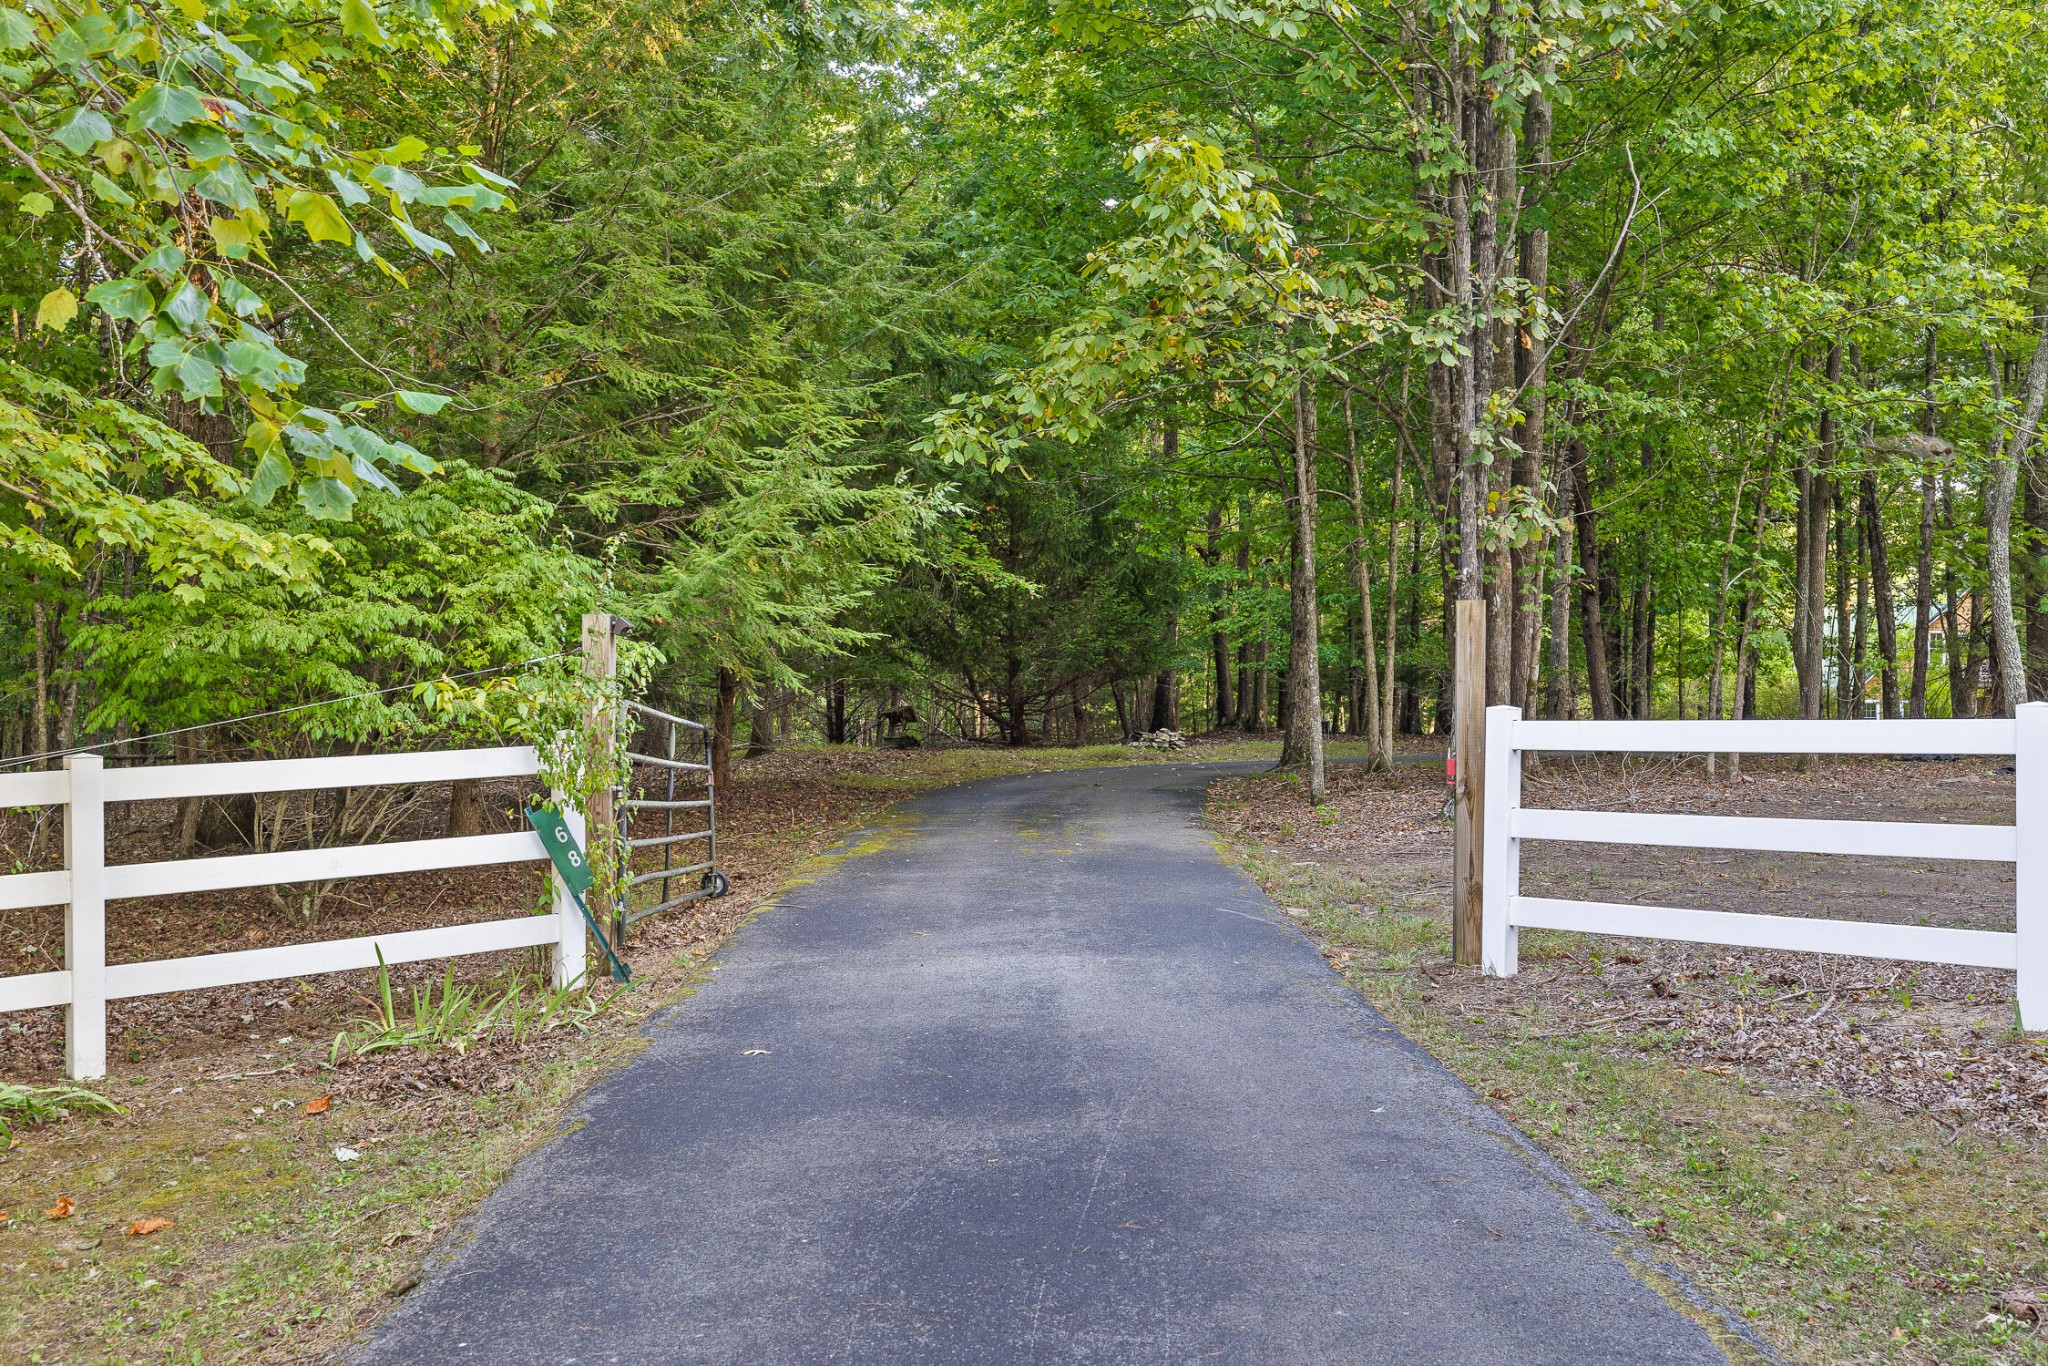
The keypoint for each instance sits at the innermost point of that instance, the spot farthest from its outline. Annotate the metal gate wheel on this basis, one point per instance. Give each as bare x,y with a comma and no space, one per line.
715,882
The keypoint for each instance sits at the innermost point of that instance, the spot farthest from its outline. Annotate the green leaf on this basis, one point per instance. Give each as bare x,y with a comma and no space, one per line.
35,204
460,227
412,401
67,48
358,20
399,181
245,302
327,499
319,216
57,309
407,148
16,30
127,298
273,472
490,177
226,184
107,190
432,246
372,476
199,377
167,262
82,130
205,142
233,236
187,308
161,108
407,456
351,193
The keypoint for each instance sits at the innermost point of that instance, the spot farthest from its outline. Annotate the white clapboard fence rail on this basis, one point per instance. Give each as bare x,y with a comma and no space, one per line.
1506,824
87,882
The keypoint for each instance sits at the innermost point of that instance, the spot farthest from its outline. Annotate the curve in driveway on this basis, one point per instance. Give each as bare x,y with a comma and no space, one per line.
1038,1078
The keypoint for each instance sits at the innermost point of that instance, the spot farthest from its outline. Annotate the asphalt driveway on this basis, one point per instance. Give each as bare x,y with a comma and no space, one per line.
1036,1077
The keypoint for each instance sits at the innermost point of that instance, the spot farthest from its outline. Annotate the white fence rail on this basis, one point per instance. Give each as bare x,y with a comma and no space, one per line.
1506,824
87,882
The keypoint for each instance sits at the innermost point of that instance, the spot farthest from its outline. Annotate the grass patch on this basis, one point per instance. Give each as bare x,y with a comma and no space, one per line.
32,1107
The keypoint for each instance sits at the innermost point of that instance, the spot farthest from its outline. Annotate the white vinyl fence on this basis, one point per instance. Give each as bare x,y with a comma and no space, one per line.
87,882
1507,823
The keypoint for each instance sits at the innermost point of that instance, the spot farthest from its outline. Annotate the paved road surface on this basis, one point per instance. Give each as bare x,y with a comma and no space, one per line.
1035,1079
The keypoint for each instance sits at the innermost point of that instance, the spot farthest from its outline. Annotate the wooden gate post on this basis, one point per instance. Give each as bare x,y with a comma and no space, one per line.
1468,686
601,664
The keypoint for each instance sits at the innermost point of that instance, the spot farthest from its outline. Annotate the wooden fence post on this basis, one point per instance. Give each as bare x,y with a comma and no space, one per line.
2030,867
1503,852
85,918
600,663
1468,683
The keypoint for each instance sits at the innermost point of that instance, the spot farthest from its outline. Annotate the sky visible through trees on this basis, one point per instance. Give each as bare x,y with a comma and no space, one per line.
1053,370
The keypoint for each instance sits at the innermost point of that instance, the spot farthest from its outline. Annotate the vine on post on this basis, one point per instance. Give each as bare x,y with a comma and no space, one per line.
561,709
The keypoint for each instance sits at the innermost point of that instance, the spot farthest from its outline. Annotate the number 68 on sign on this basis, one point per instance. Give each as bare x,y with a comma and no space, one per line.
562,848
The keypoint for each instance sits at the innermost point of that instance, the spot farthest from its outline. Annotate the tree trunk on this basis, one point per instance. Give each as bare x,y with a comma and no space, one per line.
1361,559
1998,500
835,712
39,715
761,727
465,807
1952,634
1262,686
1558,693
1166,697
1642,659
1219,644
1599,676
1531,364
1923,601
1881,590
1385,756
1302,746
1812,522
1718,627
724,713
1244,717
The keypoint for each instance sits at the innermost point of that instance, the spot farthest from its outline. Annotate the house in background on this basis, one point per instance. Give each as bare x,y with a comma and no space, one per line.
1956,620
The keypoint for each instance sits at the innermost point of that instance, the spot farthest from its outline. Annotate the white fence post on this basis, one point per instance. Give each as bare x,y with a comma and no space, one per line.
2030,865
85,918
570,936
1501,879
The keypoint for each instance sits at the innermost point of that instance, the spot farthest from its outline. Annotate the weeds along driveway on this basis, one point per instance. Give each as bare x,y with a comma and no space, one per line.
1031,1075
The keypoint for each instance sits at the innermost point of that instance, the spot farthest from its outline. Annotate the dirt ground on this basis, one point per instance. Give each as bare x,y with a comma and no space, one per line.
1930,1038
1849,1150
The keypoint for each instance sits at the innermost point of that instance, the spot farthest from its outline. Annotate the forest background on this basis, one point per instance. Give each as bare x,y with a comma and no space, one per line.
1050,370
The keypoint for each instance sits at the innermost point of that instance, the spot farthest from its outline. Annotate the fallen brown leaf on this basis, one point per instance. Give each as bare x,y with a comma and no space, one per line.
1501,1093
319,1105
2023,1305
62,1209
142,1228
